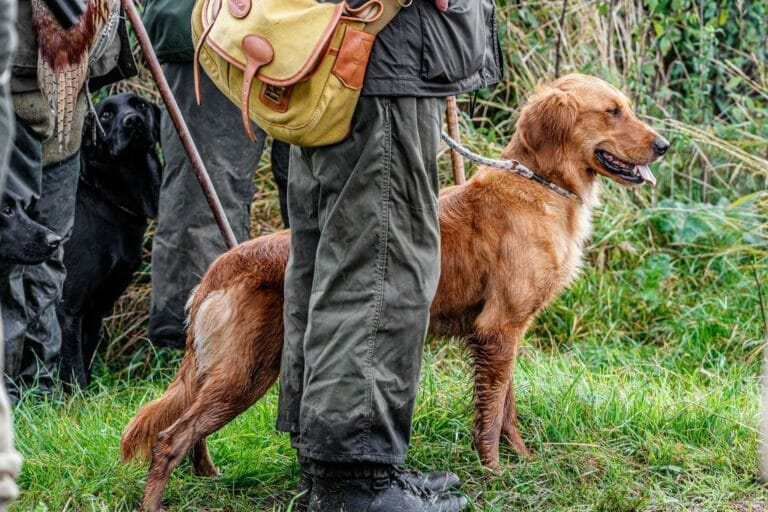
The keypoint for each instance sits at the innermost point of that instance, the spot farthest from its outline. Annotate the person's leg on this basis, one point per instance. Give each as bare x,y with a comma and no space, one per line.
376,273
45,182
7,47
280,157
43,283
356,320
187,238
302,199
10,460
24,181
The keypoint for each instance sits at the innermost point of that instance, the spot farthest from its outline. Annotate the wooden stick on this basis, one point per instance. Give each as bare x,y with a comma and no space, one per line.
457,161
181,126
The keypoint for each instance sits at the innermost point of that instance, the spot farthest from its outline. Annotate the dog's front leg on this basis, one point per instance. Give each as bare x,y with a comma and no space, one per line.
494,353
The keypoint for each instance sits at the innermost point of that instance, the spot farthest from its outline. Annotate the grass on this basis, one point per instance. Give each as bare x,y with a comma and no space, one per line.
638,390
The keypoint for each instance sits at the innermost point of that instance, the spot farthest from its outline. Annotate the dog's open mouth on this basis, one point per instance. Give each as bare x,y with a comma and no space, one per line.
632,173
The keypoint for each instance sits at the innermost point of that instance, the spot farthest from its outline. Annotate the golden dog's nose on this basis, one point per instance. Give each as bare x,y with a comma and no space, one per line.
660,146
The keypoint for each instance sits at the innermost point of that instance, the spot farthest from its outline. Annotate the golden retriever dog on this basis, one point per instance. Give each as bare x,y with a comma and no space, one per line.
509,247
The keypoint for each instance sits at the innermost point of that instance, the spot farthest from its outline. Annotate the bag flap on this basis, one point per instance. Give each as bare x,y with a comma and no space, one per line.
297,30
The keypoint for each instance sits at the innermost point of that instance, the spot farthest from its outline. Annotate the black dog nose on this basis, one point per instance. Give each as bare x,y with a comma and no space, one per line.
132,120
660,146
52,240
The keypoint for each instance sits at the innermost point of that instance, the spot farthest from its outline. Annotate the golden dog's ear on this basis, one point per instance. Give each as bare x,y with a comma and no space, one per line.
548,118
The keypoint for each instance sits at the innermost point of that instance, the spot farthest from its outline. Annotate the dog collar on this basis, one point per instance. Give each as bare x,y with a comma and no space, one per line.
508,165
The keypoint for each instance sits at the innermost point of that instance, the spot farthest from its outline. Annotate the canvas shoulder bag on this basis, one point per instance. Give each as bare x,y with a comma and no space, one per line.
294,67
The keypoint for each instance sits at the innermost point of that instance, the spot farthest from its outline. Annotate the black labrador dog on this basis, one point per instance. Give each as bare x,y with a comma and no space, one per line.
120,176
22,240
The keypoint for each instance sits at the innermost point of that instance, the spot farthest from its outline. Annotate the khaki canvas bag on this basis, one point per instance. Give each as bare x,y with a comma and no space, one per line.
295,67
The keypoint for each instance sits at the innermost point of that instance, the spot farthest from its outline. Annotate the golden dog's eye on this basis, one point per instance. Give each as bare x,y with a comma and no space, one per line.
615,111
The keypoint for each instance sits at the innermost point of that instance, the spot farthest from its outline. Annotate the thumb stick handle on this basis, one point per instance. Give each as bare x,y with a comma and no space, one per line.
66,12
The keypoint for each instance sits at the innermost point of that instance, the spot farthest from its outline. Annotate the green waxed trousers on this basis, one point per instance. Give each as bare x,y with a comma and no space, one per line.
364,267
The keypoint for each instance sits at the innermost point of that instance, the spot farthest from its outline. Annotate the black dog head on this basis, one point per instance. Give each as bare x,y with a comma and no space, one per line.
119,154
22,240
123,123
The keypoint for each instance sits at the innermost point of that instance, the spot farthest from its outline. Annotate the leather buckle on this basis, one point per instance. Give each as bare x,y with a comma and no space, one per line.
275,97
274,94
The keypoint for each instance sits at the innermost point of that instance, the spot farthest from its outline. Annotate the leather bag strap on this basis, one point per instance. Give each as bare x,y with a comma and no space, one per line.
391,8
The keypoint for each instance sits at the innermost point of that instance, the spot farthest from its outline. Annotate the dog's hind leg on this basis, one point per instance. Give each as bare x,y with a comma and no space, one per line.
510,434
215,406
494,354
217,403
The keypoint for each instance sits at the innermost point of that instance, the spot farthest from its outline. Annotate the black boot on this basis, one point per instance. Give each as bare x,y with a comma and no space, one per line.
369,487
433,481
301,500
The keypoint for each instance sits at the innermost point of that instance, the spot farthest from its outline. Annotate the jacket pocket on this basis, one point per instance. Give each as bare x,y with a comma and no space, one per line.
454,42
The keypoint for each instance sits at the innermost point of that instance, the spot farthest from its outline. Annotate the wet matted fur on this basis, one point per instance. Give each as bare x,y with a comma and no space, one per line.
509,247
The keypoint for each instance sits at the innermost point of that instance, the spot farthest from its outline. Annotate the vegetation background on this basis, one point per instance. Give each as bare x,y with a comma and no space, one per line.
638,389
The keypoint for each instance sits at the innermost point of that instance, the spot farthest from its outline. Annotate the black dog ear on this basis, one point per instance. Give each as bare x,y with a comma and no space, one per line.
150,195
549,117
156,113
89,131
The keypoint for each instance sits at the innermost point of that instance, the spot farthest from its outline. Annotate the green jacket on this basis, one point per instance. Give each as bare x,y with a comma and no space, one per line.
425,52
168,23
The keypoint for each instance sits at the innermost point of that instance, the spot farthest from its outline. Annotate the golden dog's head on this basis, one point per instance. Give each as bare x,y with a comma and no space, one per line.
590,125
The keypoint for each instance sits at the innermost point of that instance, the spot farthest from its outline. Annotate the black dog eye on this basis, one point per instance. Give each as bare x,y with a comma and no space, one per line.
615,111
141,106
106,115
7,211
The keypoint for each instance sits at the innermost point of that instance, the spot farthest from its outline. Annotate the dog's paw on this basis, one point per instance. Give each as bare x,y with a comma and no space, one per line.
208,472
516,444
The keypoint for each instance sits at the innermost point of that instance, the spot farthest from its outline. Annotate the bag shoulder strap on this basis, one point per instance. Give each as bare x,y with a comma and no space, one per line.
391,8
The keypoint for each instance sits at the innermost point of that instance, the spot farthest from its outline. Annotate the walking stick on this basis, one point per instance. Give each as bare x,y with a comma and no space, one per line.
181,127
457,161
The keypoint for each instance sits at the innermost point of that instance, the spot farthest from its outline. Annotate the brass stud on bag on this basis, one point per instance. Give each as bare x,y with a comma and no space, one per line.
239,8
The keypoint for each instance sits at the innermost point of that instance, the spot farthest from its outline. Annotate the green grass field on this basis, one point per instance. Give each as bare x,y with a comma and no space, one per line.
638,389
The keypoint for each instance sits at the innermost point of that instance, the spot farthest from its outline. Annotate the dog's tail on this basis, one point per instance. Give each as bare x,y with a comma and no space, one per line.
140,433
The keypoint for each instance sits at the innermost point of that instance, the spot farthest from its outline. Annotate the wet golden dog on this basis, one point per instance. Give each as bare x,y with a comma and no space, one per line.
509,247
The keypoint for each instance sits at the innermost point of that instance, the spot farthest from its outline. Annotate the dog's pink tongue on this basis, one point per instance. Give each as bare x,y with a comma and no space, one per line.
441,4
646,174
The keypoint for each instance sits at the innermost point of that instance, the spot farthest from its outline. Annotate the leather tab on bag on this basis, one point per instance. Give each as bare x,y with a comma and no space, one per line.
259,52
239,8
352,59
196,59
